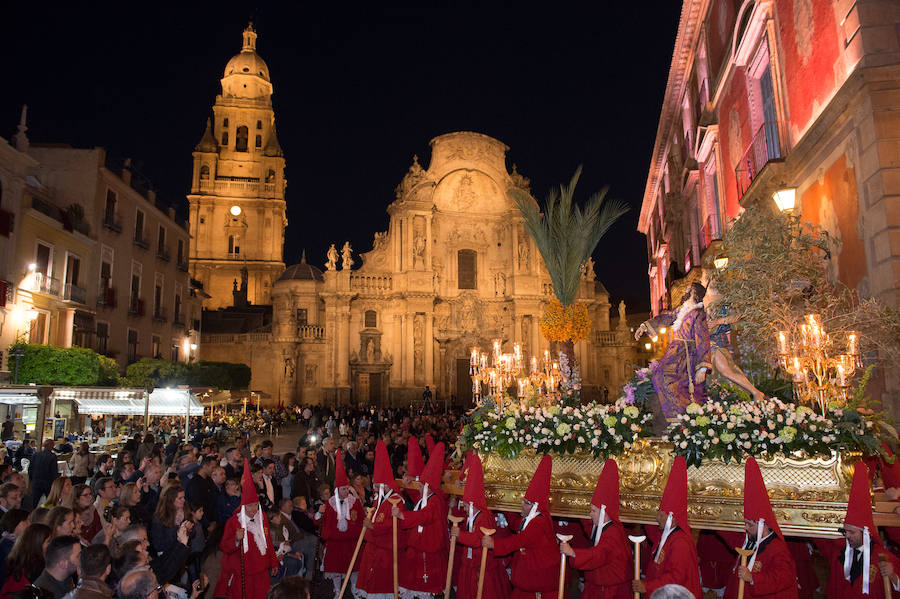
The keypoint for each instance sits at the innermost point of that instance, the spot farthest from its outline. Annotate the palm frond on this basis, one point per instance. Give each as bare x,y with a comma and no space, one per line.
565,234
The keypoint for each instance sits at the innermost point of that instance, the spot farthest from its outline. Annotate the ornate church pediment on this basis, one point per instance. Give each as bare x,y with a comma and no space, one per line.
415,177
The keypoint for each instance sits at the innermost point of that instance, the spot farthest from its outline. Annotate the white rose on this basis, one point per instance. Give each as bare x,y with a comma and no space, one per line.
683,445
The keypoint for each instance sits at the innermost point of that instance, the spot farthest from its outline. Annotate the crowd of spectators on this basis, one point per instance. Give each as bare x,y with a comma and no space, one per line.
150,516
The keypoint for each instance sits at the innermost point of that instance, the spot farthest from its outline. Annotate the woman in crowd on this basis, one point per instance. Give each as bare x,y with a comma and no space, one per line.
60,492
12,524
83,516
80,464
26,560
289,461
170,513
61,521
81,497
119,520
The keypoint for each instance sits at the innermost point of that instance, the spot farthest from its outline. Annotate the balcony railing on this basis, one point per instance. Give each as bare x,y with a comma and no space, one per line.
74,293
136,307
112,224
183,265
45,284
764,148
159,315
710,231
140,241
178,320
163,254
106,296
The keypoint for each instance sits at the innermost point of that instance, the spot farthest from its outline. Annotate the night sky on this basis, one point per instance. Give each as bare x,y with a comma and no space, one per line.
358,91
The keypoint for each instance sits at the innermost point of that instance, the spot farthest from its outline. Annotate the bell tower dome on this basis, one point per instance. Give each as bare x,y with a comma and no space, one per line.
237,198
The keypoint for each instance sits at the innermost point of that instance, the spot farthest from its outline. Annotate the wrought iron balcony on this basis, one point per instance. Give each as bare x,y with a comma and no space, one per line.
140,241
710,231
163,254
112,224
106,296
136,307
183,265
159,314
74,293
178,320
45,284
764,148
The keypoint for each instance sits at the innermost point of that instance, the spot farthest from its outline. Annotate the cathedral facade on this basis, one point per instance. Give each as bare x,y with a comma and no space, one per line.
454,270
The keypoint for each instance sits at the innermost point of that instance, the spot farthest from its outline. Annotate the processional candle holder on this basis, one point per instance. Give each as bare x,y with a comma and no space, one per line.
818,375
493,376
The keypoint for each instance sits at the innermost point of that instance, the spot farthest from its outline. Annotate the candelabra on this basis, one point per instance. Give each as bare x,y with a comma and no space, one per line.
818,377
493,375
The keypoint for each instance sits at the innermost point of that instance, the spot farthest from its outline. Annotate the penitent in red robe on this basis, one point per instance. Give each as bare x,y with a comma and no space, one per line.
607,566
256,566
423,562
838,586
676,564
535,559
376,561
339,544
496,582
774,573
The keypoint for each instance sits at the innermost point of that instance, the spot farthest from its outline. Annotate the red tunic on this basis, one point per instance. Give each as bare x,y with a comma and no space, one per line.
714,549
496,582
806,575
607,566
838,586
423,563
339,544
774,574
676,564
376,562
535,563
256,566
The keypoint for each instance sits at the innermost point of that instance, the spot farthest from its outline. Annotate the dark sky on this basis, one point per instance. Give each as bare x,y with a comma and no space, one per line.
358,91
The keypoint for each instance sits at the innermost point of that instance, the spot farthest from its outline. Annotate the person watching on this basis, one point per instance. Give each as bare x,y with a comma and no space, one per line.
62,560
96,566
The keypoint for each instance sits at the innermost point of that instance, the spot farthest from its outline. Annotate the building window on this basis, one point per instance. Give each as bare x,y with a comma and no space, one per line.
102,337
158,295
139,226
109,213
240,139
176,309
174,354
259,124
466,269
73,269
135,294
132,351
302,317
154,347
225,122
371,319
259,141
204,172
38,331
161,241
43,256
180,251
233,247
225,139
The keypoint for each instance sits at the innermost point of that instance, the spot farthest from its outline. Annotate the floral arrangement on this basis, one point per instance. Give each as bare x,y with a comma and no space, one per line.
729,427
564,323
639,389
599,429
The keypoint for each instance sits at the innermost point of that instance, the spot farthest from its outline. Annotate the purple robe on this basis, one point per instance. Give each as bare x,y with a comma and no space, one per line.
686,354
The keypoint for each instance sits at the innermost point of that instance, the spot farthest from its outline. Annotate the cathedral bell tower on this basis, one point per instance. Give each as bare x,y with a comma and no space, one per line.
237,206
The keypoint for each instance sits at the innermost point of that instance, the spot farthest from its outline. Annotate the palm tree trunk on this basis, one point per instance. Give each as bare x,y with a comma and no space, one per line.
567,347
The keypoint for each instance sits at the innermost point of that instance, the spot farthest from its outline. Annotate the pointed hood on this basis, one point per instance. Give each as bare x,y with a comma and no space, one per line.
248,489
340,470
434,469
383,475
414,461
474,490
539,488
756,499
606,493
429,443
674,497
859,506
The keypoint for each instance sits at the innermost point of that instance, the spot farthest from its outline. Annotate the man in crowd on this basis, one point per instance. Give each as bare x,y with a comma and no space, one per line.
61,562
10,497
96,566
325,462
267,454
106,491
607,562
201,490
42,471
535,554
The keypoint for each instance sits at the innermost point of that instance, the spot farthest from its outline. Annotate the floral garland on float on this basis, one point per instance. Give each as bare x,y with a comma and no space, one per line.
731,427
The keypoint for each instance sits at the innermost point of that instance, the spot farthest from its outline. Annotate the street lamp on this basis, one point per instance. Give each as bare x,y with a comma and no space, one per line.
785,198
16,353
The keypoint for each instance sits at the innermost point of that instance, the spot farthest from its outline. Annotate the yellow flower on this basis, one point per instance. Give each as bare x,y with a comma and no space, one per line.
562,323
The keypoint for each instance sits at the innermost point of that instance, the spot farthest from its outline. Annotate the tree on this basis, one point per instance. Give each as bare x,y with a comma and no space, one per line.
566,236
74,366
150,372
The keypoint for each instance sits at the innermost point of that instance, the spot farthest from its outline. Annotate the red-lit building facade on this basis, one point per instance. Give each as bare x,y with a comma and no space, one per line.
764,95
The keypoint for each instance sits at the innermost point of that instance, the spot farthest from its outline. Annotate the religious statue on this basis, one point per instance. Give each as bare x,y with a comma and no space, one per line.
587,270
720,322
524,253
289,368
419,249
346,256
331,263
419,345
622,321
679,376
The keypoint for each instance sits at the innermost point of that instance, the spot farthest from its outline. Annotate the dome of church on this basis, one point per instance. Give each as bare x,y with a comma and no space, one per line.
248,62
301,272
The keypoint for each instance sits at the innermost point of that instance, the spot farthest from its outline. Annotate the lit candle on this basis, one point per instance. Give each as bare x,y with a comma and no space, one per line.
798,376
853,344
783,342
474,356
483,360
517,351
546,356
521,389
842,377
534,365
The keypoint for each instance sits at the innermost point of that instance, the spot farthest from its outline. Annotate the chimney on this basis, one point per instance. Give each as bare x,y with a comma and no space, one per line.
126,171
172,212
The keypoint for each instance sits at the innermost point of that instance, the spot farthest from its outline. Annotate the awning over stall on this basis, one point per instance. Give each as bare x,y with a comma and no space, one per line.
19,396
130,402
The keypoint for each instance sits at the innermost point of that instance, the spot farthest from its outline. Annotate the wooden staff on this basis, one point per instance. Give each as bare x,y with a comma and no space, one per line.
562,566
243,577
637,558
394,501
484,553
362,533
454,520
886,579
744,553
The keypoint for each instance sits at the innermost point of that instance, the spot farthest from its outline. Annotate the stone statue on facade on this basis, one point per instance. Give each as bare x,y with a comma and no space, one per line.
346,256
288,368
587,271
331,263
524,253
622,322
